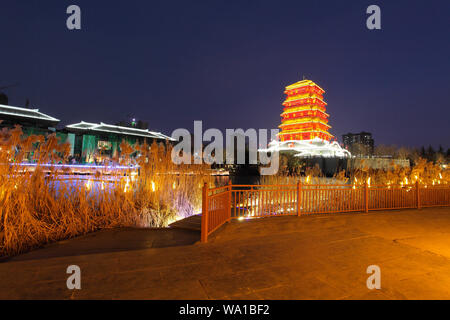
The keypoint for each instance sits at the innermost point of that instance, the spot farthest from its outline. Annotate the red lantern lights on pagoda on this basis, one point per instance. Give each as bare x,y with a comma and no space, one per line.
304,116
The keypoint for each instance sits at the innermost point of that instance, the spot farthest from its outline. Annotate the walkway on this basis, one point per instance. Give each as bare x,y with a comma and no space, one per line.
311,257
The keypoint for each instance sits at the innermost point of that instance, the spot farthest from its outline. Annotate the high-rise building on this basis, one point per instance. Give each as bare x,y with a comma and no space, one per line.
304,116
359,143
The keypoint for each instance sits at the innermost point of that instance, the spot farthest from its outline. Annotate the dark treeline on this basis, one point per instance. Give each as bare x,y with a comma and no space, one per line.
440,155
435,155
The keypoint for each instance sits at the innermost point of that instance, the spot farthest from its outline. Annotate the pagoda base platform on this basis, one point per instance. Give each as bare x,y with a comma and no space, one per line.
309,148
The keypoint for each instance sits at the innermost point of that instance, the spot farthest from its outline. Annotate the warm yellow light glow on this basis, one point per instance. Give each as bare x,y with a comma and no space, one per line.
302,83
127,185
311,122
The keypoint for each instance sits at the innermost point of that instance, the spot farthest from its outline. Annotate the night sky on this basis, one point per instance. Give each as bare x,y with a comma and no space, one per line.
227,63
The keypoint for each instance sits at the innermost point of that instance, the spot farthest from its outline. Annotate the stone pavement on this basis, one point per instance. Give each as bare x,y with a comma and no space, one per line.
310,257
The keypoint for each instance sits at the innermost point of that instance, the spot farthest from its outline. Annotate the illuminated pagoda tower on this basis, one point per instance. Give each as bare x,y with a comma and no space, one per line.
304,116
304,124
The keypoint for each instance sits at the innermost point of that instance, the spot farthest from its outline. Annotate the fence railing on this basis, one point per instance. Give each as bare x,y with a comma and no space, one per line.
216,205
222,204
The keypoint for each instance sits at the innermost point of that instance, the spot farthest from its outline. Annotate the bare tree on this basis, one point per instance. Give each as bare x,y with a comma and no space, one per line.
385,151
359,150
402,153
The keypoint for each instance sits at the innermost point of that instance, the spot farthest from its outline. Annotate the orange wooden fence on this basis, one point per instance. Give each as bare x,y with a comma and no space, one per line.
220,205
216,205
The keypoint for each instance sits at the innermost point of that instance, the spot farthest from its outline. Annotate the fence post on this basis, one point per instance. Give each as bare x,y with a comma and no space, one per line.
204,228
229,199
299,197
417,195
366,196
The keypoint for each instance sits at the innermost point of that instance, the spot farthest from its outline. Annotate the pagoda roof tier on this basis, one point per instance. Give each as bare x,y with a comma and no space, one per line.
306,132
289,122
303,113
304,108
303,83
303,132
320,128
310,120
303,101
303,96
109,128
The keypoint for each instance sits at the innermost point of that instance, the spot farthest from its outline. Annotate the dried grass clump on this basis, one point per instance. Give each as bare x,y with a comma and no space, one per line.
312,175
39,207
425,172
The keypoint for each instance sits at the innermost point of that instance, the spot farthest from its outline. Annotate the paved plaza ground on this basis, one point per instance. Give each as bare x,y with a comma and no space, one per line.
308,257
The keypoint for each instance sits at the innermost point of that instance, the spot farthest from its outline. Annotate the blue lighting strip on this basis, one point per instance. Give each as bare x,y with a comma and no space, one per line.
76,166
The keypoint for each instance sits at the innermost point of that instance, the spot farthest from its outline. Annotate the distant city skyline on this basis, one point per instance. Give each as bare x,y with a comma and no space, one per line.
227,64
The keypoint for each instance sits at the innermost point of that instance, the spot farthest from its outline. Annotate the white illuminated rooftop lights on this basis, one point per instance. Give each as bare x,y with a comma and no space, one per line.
104,127
309,148
25,112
